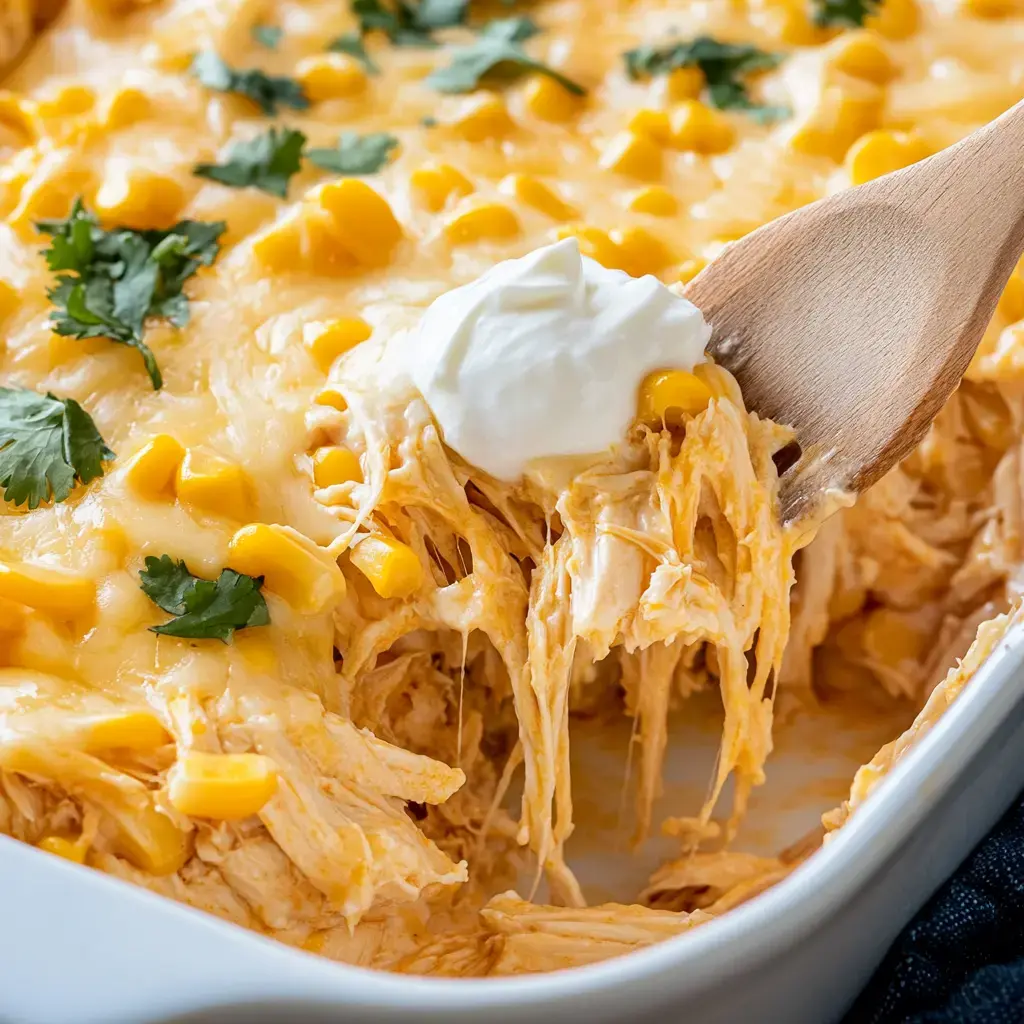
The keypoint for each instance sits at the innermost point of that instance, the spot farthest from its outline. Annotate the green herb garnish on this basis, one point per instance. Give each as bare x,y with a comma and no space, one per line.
352,44
47,444
850,13
267,35
722,64
498,49
264,90
355,154
204,609
110,282
406,23
266,162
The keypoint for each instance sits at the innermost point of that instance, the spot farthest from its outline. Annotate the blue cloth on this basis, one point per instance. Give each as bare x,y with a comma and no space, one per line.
961,960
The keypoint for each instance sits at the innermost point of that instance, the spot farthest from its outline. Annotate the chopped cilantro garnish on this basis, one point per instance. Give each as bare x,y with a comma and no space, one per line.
850,13
110,282
266,162
723,65
204,609
46,445
265,90
267,35
406,23
352,44
355,154
498,49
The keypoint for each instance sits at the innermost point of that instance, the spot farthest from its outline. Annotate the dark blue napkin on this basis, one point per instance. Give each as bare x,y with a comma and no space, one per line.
962,958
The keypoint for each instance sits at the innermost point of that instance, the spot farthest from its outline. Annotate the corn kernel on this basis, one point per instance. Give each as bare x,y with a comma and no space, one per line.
391,566
71,101
593,242
550,101
895,19
684,84
307,582
8,299
21,115
667,395
330,76
533,192
129,730
126,107
332,398
138,198
336,465
481,222
637,156
641,252
482,116
326,341
690,268
991,8
152,470
1011,302
47,590
222,786
65,848
700,129
151,841
435,184
861,55
881,152
280,248
655,124
655,200
364,223
844,113
791,23
214,485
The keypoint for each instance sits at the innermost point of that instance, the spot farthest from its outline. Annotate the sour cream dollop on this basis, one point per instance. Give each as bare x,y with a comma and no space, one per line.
543,356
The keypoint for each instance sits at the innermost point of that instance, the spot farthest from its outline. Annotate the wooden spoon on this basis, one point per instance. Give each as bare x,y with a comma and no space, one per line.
853,319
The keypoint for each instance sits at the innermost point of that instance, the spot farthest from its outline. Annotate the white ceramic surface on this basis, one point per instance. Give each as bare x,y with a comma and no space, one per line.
77,947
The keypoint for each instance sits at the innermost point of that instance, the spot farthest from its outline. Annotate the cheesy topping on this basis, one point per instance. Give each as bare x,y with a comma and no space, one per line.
267,646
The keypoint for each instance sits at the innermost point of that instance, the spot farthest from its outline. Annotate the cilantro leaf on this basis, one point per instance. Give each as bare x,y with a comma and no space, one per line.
46,445
203,609
406,23
497,49
267,91
113,281
267,35
355,154
352,44
850,13
266,162
722,64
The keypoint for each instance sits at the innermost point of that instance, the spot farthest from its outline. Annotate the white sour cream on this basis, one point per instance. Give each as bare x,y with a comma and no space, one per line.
542,356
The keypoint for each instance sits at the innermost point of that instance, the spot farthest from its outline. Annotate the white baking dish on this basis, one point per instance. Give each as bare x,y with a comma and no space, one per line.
77,946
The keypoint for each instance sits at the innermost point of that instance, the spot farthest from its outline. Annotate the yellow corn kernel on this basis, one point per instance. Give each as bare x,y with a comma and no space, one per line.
435,184
700,128
861,55
391,566
65,848
8,299
138,198
363,220
641,252
791,22
482,116
550,101
307,582
594,242
151,841
222,786
326,341
844,113
481,222
991,8
214,485
21,115
71,101
334,465
637,156
689,269
684,84
47,590
667,395
655,124
330,76
881,152
129,730
655,200
126,107
1011,302
280,248
152,470
332,398
895,19
533,192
